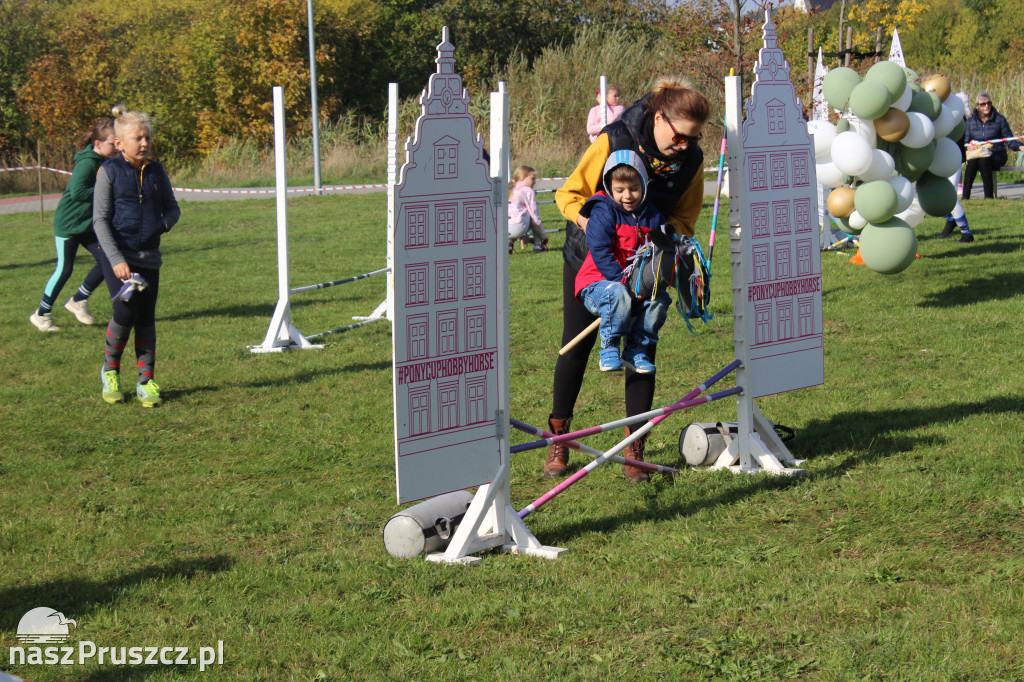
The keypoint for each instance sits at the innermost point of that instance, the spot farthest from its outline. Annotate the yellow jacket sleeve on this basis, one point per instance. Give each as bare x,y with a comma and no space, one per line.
584,181
684,215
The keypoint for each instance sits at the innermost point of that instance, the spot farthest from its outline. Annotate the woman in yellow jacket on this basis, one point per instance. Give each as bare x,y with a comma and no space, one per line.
664,128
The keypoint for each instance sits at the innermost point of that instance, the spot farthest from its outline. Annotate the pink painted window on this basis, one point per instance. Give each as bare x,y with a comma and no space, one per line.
445,281
419,411
447,339
803,257
448,404
761,272
416,284
759,220
444,216
473,278
781,211
805,313
780,173
416,227
763,323
785,320
474,213
758,171
783,256
476,400
802,213
801,178
776,118
446,161
417,326
475,335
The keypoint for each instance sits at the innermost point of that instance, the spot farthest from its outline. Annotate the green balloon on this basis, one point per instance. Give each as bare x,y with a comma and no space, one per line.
928,103
912,163
888,247
876,201
843,125
936,195
914,87
869,100
911,75
891,75
838,85
958,130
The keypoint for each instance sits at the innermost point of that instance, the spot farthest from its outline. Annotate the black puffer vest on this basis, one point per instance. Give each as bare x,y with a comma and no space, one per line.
663,190
137,218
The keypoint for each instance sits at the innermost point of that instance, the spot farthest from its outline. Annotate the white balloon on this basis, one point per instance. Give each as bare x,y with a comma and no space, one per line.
946,121
947,158
956,105
857,221
824,133
851,153
865,129
921,131
829,174
913,215
905,192
903,103
882,166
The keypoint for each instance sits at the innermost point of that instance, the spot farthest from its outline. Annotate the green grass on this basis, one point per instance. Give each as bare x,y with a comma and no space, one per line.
248,508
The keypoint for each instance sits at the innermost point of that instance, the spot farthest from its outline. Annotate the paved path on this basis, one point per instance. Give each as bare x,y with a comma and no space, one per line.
31,203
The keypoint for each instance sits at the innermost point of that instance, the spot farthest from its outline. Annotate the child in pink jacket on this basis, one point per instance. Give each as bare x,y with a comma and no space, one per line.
594,124
523,212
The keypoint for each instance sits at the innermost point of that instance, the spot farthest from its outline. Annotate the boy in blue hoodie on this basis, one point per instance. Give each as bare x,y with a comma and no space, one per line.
620,223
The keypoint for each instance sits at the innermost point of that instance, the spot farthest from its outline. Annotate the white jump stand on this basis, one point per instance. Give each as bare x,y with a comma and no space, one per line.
281,335
491,522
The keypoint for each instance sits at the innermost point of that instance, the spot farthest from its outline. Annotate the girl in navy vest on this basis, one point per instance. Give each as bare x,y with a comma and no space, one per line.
132,207
664,129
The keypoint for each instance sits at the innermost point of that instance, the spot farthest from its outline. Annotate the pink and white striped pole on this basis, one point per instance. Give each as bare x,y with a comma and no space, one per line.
594,452
533,445
682,405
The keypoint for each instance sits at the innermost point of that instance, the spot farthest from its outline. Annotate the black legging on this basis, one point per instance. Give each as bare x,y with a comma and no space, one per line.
67,247
988,167
571,367
141,310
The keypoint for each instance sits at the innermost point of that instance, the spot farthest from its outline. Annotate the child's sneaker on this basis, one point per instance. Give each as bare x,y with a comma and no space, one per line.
966,237
112,386
44,322
639,361
610,361
148,393
80,309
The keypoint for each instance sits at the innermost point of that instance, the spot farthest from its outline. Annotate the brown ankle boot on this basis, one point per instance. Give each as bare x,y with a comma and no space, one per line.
635,450
558,454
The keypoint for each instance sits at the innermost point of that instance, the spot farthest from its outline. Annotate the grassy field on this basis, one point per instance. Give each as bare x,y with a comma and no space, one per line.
248,508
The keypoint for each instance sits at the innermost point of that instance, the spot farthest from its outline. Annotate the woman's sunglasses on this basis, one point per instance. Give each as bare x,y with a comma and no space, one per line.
679,138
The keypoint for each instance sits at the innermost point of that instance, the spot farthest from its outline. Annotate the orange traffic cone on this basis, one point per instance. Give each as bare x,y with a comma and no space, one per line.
857,258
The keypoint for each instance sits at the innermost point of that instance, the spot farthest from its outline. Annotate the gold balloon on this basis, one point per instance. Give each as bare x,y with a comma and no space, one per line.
892,126
938,84
840,202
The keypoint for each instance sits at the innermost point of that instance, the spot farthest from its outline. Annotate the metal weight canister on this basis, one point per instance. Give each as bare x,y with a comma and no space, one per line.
426,527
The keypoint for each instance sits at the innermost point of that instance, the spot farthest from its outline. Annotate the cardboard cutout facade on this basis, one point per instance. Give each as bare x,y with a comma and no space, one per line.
781,249
450,383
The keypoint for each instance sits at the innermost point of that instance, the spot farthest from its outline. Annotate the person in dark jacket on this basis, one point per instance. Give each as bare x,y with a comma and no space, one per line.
72,227
619,225
134,205
986,124
663,128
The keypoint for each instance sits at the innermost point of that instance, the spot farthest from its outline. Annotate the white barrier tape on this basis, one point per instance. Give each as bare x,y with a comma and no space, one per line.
32,168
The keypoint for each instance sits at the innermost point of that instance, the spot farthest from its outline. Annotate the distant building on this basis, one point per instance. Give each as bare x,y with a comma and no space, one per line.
806,6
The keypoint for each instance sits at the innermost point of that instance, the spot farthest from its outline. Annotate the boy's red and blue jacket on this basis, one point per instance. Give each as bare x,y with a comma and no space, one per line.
613,235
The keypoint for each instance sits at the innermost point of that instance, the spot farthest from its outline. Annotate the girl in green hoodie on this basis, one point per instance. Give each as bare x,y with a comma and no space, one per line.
72,227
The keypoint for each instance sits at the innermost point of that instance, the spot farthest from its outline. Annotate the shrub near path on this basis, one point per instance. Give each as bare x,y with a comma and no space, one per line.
248,507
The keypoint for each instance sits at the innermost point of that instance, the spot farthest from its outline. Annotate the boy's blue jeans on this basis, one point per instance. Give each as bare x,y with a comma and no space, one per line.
612,303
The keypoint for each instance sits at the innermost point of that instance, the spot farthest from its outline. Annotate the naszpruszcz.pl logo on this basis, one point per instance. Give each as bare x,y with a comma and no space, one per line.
42,626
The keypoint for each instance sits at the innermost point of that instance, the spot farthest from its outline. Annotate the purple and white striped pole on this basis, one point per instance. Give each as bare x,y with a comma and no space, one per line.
681,405
594,452
533,445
